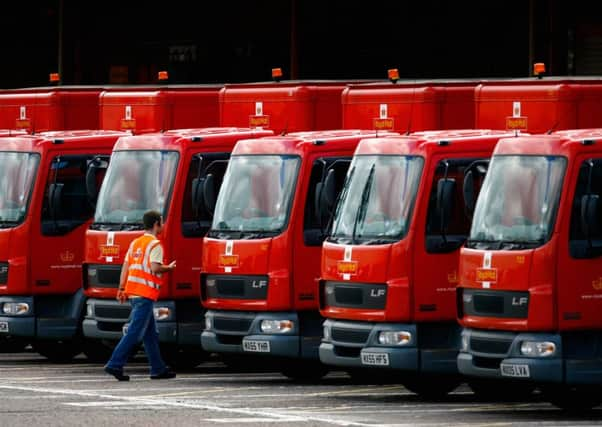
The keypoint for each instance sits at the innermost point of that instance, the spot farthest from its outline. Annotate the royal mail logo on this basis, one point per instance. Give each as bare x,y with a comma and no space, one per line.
23,124
259,121
486,275
347,267
137,254
516,123
228,261
67,256
128,124
452,277
109,251
383,124
597,284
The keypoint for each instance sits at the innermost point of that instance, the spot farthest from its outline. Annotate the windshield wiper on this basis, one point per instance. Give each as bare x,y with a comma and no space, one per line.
362,208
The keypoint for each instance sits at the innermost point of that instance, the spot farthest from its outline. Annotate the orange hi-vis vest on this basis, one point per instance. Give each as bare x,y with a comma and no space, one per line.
141,281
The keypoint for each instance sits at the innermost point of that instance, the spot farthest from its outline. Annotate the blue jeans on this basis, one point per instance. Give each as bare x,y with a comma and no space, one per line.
142,327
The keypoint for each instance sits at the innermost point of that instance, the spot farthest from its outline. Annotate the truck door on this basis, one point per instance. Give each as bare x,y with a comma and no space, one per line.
579,275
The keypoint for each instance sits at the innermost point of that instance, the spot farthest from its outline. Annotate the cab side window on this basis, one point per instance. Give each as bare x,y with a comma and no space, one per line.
585,236
325,184
448,222
67,204
204,179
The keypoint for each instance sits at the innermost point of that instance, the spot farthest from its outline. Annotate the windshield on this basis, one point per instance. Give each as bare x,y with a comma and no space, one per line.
17,176
136,182
256,193
519,198
377,198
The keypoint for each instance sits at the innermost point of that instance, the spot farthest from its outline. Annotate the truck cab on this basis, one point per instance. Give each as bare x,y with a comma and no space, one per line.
529,294
261,258
177,173
389,263
48,188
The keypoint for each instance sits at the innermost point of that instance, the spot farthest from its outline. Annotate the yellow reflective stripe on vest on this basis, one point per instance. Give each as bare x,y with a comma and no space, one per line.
142,281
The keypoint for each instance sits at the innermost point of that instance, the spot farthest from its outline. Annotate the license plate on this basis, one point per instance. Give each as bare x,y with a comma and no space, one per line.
256,346
517,371
377,359
4,327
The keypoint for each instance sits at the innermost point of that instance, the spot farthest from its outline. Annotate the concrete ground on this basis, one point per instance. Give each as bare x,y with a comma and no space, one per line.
35,392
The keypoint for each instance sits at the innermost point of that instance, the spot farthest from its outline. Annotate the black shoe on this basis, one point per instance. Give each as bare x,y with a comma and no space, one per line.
117,373
165,375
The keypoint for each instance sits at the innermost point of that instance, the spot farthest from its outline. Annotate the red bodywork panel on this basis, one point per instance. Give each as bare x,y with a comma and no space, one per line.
409,107
420,285
184,281
40,264
564,292
159,109
282,107
50,109
544,105
293,268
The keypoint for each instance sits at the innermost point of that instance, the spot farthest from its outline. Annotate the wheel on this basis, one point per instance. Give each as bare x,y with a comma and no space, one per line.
430,387
574,398
96,351
302,371
58,351
500,390
184,357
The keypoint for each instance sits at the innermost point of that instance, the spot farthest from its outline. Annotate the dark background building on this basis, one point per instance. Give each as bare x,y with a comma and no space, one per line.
103,42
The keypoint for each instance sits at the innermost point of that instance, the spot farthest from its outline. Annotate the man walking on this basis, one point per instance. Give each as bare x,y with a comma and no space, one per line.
140,281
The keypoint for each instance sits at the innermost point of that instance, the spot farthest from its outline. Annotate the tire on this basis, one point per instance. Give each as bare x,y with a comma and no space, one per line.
96,351
574,398
304,371
431,387
500,390
58,351
184,357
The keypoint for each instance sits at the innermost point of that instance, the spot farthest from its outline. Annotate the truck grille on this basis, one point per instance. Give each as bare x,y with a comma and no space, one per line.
489,346
112,312
235,287
353,295
3,273
231,325
491,304
348,295
497,303
354,336
103,276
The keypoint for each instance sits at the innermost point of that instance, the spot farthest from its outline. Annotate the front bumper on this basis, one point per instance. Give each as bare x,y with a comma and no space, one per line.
229,329
350,340
60,321
485,353
108,317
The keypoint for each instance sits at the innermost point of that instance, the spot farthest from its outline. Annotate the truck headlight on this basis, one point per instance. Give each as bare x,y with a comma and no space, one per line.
89,310
208,323
161,313
537,348
394,337
326,335
15,308
464,343
276,326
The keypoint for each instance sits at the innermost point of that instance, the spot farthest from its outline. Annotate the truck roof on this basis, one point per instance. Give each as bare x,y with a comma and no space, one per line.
423,143
78,138
566,142
180,139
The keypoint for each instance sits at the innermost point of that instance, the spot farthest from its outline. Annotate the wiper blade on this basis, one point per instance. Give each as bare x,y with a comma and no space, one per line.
362,208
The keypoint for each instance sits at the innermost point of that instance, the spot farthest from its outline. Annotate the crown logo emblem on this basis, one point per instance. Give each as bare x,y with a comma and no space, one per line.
67,256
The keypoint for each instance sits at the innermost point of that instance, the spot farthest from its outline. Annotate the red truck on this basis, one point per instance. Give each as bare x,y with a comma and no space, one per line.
158,109
530,277
283,107
400,213
177,173
261,257
48,185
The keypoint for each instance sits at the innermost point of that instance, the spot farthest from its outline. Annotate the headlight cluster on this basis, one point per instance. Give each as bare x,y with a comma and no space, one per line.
394,337
277,326
15,308
161,313
537,348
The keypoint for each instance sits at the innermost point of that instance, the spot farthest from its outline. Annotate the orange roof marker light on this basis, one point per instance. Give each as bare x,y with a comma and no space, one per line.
277,74
54,77
162,76
393,74
539,68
